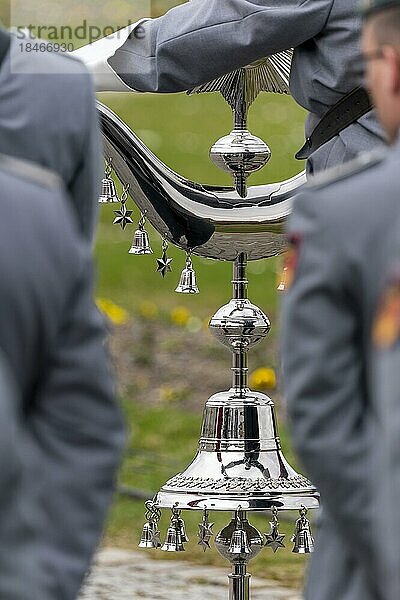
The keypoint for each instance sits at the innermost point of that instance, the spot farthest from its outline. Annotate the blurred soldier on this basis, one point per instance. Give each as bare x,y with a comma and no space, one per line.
340,233
15,547
385,385
198,41
48,116
53,338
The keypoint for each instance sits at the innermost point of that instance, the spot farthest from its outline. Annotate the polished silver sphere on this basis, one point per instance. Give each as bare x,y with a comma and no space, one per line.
240,152
239,325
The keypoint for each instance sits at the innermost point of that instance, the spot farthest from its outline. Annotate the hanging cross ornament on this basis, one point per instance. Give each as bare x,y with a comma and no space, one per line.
241,153
205,531
122,215
274,539
164,263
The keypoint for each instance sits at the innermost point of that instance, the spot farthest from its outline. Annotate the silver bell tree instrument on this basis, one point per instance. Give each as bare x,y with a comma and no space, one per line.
239,466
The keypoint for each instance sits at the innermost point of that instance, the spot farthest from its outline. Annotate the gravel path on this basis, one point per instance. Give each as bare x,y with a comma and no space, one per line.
125,575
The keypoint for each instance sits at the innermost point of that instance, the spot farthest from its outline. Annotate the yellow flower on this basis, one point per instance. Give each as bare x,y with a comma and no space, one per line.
116,314
167,394
180,316
148,310
263,378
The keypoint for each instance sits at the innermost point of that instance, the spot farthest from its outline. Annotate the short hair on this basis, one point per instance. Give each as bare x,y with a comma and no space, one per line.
386,26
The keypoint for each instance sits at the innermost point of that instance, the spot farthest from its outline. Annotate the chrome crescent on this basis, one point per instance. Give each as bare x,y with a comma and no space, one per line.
210,221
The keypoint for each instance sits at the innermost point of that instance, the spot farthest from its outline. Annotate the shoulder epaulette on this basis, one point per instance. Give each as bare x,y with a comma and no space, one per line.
353,167
29,171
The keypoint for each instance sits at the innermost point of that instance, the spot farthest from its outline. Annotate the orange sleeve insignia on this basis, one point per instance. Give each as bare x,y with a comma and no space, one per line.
386,327
290,261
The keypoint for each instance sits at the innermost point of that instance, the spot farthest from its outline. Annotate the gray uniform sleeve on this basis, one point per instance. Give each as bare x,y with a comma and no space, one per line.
197,41
323,376
78,432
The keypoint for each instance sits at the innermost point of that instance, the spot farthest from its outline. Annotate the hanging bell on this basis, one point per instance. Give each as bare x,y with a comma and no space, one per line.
187,283
149,536
239,542
141,242
302,538
108,190
173,540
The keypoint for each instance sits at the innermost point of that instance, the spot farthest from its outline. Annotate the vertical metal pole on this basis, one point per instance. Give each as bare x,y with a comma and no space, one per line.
240,116
240,111
239,359
240,282
239,583
239,579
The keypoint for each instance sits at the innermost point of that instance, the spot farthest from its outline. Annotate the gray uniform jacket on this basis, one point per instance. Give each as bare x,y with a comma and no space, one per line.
339,232
16,559
198,41
385,385
48,116
54,339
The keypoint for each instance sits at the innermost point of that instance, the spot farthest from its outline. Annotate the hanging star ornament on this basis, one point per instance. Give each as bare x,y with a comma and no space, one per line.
205,534
123,216
164,264
274,539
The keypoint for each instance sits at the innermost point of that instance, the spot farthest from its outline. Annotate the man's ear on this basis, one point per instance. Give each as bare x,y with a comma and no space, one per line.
392,60
397,74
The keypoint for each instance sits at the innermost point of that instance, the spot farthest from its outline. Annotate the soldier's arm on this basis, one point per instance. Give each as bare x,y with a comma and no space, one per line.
323,375
197,41
78,431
